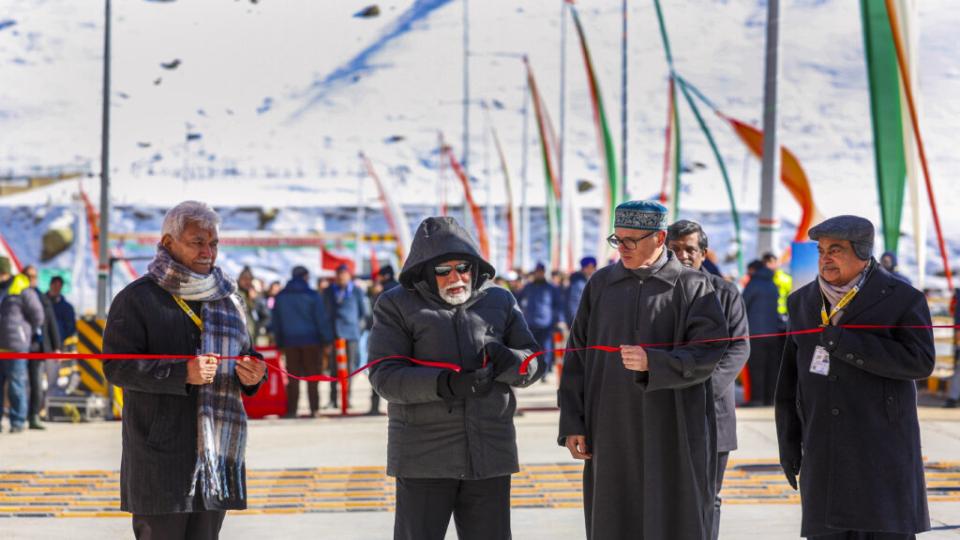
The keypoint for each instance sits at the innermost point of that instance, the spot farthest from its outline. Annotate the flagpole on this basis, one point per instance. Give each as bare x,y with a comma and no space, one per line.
525,247
768,225
465,160
361,217
562,181
623,104
103,267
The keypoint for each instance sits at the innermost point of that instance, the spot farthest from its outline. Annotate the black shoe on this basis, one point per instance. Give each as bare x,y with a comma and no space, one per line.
16,429
373,412
950,404
34,423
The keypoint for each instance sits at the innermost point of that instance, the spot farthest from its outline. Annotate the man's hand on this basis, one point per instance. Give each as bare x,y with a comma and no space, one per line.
202,369
577,445
465,384
634,357
791,470
250,370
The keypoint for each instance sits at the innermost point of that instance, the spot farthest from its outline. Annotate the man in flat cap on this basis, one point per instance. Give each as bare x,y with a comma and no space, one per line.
846,401
644,419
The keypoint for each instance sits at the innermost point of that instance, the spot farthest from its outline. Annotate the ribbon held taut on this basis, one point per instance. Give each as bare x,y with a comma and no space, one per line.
524,366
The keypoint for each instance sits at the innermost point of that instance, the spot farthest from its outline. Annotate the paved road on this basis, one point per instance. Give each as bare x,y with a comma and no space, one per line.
275,446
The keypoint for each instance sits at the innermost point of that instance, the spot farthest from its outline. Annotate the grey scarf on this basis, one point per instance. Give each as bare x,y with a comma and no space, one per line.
834,293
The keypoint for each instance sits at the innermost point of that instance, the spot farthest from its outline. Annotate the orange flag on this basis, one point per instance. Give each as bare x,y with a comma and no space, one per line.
791,174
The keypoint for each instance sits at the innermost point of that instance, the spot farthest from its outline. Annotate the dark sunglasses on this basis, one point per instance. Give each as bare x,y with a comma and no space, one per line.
444,270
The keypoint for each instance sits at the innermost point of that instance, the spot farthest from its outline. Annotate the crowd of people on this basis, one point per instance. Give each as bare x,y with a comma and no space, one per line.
655,342
31,321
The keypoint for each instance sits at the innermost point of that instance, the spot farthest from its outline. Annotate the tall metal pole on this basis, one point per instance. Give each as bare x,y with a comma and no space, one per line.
525,247
768,225
361,220
465,159
564,188
103,267
623,105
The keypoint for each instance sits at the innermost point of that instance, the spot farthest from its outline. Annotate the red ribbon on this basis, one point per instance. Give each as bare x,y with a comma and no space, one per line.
446,365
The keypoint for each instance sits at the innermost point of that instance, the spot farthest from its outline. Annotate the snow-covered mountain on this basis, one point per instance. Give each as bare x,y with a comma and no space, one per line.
264,103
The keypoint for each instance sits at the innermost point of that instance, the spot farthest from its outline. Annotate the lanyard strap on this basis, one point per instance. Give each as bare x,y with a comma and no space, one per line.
847,298
186,309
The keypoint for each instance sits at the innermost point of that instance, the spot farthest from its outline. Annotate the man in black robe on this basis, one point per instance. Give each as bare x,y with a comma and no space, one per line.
644,419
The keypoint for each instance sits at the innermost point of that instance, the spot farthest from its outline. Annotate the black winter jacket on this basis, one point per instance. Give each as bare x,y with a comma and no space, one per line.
427,438
159,407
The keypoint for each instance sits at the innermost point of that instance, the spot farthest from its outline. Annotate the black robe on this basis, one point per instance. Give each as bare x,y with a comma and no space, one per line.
653,435
857,428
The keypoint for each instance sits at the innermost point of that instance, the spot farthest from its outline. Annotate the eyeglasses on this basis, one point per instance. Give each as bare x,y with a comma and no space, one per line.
444,270
629,244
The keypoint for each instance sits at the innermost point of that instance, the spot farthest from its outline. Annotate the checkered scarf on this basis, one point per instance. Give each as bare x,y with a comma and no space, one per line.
221,418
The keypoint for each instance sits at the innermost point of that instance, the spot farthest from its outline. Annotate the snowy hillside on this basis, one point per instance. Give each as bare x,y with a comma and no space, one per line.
268,103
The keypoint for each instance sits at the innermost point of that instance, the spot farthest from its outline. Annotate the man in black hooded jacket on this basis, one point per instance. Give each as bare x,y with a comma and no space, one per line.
451,439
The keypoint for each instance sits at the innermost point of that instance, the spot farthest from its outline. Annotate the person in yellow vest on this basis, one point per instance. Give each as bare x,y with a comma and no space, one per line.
781,279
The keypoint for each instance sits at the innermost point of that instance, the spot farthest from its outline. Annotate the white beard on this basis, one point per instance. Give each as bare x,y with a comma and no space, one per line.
457,298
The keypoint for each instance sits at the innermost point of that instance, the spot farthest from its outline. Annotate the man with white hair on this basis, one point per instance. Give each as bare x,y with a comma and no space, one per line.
451,440
184,425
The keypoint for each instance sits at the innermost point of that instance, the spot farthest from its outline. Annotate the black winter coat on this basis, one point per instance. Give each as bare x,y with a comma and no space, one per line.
857,427
653,435
159,407
427,438
734,358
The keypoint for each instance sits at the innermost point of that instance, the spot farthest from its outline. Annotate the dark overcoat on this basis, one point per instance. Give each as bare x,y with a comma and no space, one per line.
159,407
428,438
734,358
653,435
857,427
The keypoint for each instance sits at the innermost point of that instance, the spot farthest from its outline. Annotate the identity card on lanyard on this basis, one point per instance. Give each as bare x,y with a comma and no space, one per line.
820,364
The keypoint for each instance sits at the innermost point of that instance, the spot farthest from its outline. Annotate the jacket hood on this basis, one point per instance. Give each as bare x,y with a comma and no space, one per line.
296,285
442,238
763,273
893,258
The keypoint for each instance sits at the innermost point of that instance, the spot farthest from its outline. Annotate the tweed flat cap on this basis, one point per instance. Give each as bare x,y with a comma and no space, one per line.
643,215
859,231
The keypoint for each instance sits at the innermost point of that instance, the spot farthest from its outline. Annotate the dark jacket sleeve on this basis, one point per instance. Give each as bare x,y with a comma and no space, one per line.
397,380
32,310
126,332
276,322
694,363
321,318
570,396
789,425
737,351
69,322
518,338
905,354
52,339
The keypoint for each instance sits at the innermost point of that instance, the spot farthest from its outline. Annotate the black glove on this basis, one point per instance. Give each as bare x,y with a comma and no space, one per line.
791,468
465,384
501,357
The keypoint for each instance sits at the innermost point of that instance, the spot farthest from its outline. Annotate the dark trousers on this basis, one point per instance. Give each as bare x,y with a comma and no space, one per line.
187,526
352,359
480,508
544,337
722,458
763,366
35,370
302,361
